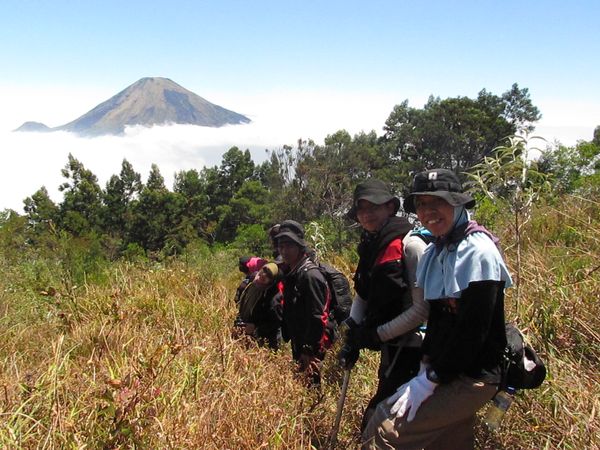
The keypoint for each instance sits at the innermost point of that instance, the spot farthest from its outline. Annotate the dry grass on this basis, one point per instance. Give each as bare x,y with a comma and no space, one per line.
146,361
145,358
560,313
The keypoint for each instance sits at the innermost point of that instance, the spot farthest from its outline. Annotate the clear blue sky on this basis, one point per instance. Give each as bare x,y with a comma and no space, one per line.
298,69
436,47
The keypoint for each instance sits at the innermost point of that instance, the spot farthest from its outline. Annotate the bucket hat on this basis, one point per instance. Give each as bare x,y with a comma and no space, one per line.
440,183
374,191
292,230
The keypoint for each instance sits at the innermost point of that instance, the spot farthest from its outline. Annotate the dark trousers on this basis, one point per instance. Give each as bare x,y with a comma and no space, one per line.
394,371
269,338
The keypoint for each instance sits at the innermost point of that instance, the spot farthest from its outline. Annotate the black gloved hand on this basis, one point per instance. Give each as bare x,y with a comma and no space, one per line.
348,356
364,337
346,326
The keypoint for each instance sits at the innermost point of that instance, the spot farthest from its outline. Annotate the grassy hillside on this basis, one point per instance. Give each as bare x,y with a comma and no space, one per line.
139,354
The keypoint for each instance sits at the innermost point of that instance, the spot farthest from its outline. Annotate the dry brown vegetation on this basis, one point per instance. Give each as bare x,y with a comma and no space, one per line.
559,310
143,357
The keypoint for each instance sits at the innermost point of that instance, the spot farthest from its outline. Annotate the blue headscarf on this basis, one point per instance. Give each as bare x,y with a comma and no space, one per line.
446,269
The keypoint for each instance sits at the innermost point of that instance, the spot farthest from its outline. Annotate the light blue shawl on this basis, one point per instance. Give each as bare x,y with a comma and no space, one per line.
446,272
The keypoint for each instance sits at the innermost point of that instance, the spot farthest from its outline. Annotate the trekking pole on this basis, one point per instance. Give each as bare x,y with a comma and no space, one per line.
338,413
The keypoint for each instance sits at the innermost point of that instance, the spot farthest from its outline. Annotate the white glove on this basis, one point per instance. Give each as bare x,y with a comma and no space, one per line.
410,395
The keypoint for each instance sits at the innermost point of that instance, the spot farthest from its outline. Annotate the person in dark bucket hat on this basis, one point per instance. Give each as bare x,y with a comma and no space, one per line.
374,191
291,230
272,232
306,319
440,183
386,311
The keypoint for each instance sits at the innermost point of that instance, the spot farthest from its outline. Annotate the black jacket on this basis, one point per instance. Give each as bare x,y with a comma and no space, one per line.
306,310
379,277
467,335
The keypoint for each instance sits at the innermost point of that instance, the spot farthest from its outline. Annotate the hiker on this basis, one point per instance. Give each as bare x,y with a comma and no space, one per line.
248,265
463,277
306,322
255,263
272,232
283,267
387,310
260,308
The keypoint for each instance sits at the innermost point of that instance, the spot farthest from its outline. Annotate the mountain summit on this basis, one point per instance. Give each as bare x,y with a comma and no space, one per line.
149,101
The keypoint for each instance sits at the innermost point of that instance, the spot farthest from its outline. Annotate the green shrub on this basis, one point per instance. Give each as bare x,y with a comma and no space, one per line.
253,240
133,252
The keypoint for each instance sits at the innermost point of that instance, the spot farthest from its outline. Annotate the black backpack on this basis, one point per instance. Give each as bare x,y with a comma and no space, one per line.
522,367
339,287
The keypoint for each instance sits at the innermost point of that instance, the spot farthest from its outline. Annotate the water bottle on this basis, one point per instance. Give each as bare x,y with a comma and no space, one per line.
500,404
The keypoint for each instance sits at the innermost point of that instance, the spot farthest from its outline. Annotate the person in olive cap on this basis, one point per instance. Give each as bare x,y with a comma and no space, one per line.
306,299
386,311
259,313
463,278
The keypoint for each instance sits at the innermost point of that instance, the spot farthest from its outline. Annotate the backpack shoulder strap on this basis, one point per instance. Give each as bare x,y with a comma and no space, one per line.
310,265
423,234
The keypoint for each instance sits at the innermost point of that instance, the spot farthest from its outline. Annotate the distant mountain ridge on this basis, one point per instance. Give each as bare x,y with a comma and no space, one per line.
34,126
148,101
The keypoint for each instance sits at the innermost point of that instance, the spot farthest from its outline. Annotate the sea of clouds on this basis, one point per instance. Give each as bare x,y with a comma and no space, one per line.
31,160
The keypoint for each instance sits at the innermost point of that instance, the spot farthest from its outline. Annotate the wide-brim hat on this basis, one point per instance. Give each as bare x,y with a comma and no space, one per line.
374,191
442,183
291,230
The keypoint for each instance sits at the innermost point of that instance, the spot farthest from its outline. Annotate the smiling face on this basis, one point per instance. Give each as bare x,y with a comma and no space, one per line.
264,277
435,213
290,252
371,216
